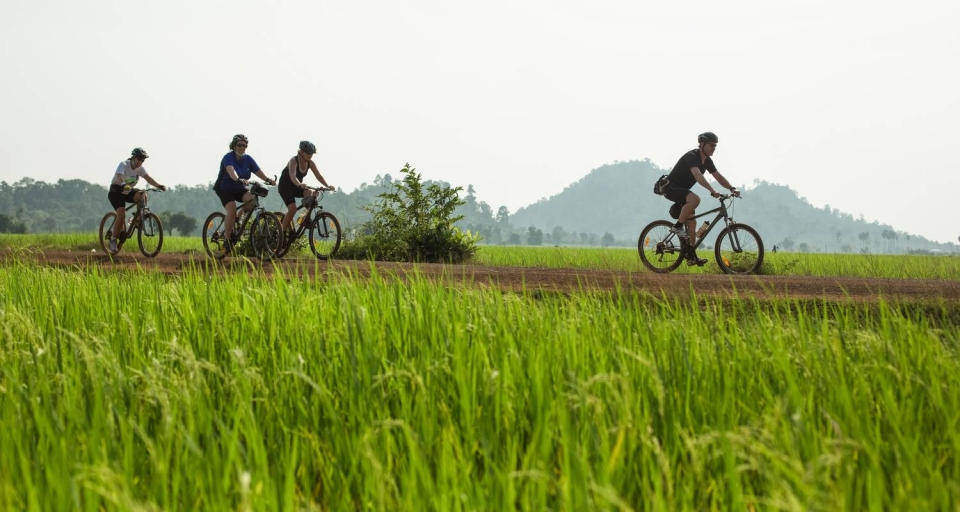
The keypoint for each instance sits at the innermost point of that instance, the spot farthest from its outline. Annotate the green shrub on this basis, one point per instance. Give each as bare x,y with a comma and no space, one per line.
413,222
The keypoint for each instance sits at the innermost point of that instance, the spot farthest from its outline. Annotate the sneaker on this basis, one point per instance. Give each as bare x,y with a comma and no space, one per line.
226,249
694,260
113,246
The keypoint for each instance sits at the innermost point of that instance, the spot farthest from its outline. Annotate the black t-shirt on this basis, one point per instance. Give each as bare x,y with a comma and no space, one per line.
681,176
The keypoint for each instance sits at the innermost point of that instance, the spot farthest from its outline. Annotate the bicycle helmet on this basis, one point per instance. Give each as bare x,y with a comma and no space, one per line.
307,147
708,137
238,138
139,153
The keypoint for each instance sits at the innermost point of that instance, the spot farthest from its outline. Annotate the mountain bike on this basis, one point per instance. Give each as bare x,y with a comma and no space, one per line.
325,235
146,223
739,249
265,236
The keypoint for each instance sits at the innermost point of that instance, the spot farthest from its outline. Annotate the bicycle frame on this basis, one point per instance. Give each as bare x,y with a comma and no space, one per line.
138,214
310,216
722,209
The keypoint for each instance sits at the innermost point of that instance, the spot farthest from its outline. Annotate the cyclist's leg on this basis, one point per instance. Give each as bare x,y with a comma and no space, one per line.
118,222
229,202
289,196
686,216
119,204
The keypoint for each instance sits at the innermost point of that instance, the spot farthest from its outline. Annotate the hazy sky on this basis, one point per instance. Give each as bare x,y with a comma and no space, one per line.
852,104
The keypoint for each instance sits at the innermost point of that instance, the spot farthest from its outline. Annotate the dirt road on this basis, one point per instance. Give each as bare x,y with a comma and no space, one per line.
517,278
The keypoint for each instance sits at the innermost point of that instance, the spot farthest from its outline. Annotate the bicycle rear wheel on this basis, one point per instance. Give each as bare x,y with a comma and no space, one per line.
266,236
150,235
325,236
106,230
660,250
739,250
213,238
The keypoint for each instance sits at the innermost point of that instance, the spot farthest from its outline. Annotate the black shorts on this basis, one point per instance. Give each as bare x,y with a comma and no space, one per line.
118,199
226,197
677,194
675,210
289,193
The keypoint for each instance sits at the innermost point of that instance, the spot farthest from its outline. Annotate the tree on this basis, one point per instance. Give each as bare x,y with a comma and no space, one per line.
558,235
787,243
534,236
10,225
503,216
804,247
607,240
181,222
413,222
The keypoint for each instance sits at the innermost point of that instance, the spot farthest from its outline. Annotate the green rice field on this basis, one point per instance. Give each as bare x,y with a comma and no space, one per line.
133,390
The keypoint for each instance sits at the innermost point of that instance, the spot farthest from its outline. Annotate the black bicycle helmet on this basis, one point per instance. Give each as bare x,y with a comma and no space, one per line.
708,137
139,153
307,147
238,138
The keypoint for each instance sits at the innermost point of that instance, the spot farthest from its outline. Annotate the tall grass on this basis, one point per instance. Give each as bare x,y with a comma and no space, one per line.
142,391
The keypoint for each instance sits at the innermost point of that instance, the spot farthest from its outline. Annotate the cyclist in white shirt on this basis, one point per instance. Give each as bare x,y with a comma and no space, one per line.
123,191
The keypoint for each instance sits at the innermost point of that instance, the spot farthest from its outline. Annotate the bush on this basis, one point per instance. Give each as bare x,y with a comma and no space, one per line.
412,222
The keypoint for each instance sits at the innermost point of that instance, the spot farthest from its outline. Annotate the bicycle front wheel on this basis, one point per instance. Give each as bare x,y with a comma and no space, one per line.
150,235
106,230
739,250
660,250
213,238
325,235
266,236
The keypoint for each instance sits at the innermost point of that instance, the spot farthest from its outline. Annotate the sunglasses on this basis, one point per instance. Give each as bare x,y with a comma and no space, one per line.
241,145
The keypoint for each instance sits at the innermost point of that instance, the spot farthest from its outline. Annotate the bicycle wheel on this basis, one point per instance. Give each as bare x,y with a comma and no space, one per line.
659,249
739,250
266,236
106,229
150,235
325,235
213,238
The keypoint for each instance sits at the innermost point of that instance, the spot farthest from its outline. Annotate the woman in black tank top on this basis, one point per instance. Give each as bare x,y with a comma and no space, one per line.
291,179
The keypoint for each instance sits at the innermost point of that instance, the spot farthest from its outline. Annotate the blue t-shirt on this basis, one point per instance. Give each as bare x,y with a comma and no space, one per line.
244,167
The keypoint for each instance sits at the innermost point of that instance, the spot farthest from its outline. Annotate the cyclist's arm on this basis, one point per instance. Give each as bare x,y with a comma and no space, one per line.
153,182
264,177
316,172
292,173
118,176
232,173
702,180
723,181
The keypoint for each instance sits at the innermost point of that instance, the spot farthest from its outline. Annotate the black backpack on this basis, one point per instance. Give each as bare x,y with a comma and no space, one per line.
661,185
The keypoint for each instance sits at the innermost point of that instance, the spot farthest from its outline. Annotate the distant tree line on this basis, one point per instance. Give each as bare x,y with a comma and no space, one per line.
607,207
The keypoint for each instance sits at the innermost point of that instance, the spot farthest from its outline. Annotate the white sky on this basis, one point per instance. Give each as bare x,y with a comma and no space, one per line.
850,103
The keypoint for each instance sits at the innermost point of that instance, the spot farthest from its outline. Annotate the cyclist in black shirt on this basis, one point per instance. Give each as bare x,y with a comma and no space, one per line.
291,180
689,171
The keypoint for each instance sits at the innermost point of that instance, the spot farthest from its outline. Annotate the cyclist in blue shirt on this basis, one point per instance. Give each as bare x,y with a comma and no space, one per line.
235,169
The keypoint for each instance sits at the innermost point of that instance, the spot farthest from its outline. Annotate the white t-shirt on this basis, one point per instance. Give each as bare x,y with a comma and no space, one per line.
127,175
